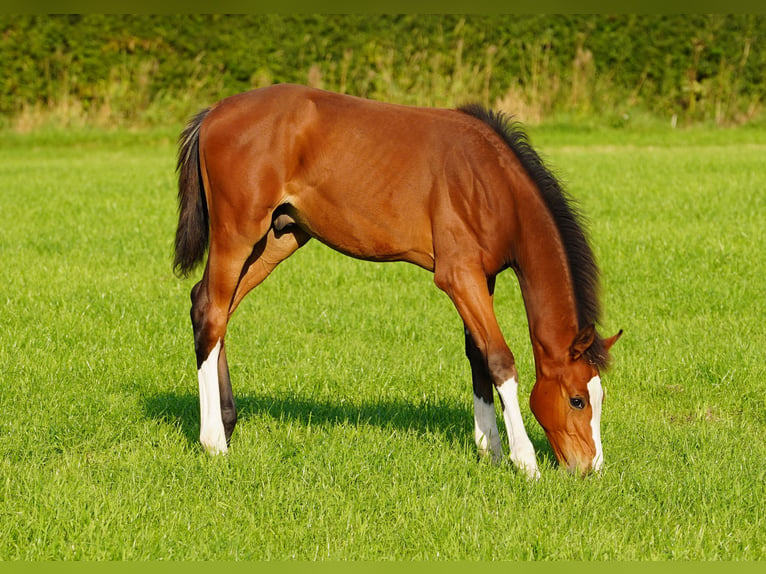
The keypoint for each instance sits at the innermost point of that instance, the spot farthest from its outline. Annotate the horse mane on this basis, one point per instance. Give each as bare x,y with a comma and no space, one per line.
567,217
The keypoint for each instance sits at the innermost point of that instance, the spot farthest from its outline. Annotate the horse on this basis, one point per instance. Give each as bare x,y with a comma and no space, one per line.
459,192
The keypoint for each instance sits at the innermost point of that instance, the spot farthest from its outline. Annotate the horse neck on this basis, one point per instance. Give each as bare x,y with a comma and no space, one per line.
543,272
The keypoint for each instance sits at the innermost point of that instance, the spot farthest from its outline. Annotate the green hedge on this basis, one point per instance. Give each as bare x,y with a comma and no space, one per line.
157,69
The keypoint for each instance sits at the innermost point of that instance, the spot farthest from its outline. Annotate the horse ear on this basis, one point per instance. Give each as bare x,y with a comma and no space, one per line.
582,342
612,340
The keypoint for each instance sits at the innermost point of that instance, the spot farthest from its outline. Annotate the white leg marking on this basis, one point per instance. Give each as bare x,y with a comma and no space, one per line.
485,429
596,392
211,433
522,451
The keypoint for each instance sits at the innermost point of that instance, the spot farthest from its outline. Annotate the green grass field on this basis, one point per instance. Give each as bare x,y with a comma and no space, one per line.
355,433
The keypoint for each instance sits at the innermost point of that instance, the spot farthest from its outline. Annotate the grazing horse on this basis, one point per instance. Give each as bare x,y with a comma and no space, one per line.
458,192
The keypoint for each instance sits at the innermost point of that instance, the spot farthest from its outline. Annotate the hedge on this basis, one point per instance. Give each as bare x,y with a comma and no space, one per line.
123,69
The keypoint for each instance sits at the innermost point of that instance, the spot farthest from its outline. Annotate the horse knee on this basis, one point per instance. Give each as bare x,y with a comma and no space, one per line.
502,367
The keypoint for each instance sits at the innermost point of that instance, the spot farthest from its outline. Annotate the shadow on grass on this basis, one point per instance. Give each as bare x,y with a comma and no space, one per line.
454,423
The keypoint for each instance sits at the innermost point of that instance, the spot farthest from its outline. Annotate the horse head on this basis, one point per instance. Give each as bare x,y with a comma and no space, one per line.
567,400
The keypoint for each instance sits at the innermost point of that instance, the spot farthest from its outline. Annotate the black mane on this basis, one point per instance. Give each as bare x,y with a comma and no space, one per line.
567,217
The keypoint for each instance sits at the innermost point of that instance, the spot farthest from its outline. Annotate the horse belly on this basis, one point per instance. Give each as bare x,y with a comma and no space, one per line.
374,225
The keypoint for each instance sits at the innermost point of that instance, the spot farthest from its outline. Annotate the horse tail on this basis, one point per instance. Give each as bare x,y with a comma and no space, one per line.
192,234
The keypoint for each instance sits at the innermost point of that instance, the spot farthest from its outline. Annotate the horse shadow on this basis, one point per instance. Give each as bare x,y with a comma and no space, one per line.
454,423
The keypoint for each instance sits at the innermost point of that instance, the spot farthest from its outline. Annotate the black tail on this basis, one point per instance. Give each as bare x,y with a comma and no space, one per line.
192,234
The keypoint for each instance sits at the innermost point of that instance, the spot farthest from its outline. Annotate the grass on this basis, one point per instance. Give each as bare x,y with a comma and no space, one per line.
354,439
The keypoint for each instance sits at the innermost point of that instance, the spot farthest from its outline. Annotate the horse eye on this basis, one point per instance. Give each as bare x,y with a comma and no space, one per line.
577,403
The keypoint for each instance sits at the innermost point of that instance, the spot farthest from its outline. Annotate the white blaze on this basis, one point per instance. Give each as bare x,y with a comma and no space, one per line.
596,393
211,432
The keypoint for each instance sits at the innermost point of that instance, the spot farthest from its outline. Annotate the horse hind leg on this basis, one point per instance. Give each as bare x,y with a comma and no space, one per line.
226,396
211,299
228,278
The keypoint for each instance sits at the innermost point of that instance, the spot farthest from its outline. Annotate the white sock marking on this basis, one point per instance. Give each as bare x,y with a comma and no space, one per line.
596,393
211,432
486,433
522,451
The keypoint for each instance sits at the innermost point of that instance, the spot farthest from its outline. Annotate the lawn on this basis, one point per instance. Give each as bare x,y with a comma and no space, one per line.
355,433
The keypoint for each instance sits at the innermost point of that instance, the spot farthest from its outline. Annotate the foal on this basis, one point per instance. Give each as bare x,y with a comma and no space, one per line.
458,192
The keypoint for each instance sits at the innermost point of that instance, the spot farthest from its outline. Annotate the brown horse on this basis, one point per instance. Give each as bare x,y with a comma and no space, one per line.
458,192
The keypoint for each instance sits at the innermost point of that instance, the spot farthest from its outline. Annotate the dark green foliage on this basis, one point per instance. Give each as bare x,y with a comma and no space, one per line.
158,69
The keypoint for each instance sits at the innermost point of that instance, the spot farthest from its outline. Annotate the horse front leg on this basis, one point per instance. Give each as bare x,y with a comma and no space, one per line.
486,433
467,286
